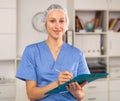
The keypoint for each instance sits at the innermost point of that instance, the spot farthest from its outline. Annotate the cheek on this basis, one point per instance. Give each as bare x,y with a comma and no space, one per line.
49,26
64,26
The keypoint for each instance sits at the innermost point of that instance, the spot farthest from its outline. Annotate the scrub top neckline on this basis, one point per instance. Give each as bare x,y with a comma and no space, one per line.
59,54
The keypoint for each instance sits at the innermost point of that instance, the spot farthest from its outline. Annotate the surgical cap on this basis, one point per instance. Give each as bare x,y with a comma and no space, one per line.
40,18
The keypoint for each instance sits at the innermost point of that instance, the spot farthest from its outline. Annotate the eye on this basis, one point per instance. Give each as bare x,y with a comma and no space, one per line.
61,21
52,21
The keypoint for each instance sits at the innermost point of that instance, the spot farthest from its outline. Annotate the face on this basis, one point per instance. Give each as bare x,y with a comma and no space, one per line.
56,24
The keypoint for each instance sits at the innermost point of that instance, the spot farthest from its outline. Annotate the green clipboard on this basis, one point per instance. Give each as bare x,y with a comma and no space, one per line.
80,79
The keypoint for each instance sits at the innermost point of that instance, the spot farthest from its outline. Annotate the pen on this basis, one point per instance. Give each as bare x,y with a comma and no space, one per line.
57,70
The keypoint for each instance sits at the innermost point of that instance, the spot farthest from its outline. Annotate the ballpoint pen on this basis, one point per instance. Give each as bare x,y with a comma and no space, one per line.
57,70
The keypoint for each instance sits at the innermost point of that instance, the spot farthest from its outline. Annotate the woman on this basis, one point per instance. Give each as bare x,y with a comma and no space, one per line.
50,63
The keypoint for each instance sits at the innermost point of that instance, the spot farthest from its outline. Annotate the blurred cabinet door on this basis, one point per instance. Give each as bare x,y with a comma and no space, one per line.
7,21
7,46
114,90
7,91
21,94
7,3
113,48
91,4
114,4
114,96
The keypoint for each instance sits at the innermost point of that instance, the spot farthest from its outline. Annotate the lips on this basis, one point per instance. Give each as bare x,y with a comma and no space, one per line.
57,31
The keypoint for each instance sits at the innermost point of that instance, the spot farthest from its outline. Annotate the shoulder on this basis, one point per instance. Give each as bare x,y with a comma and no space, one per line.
35,45
74,49
33,48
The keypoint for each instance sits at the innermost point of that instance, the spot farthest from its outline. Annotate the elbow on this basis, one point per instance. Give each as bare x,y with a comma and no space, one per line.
31,97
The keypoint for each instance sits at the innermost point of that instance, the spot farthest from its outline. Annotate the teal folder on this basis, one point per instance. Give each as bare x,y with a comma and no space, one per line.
80,79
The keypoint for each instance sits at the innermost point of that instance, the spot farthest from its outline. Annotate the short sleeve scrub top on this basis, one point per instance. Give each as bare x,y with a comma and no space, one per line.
38,64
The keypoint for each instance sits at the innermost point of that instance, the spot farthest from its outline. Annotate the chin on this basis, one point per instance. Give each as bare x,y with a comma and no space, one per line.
56,37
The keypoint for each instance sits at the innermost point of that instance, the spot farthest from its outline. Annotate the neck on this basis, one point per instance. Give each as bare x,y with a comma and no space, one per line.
53,44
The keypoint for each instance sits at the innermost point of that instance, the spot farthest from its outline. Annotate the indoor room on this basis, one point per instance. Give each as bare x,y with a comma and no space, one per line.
34,34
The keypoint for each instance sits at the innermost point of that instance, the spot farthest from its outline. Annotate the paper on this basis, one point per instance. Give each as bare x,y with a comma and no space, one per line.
79,79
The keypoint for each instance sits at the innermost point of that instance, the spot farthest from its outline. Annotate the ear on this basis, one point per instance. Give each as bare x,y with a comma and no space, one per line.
46,24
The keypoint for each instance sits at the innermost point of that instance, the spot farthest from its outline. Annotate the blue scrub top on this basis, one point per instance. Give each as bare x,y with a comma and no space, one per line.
38,64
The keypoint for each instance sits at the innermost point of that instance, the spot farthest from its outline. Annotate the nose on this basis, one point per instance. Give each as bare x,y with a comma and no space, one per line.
57,24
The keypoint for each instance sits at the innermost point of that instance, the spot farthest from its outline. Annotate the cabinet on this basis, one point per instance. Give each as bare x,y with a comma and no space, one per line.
8,99
100,45
114,5
95,90
114,90
4,94
7,49
91,5
96,5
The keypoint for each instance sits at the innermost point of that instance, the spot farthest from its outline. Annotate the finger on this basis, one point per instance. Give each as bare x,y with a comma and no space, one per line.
72,86
63,80
67,87
67,73
66,77
83,84
77,85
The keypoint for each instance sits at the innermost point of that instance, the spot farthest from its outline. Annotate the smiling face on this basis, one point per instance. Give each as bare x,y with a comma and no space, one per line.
56,24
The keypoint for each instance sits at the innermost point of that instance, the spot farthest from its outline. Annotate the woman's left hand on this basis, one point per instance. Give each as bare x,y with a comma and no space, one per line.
77,90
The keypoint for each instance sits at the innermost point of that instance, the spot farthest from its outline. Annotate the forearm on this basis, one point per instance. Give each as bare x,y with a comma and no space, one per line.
77,90
35,93
79,96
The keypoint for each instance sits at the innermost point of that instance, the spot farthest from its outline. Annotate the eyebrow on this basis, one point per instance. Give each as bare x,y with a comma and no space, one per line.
55,18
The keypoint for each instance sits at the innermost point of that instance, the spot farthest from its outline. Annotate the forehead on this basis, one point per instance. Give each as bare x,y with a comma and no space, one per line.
56,13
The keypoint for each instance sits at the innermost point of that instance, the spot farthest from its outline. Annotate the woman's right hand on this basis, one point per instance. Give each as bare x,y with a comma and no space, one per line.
64,77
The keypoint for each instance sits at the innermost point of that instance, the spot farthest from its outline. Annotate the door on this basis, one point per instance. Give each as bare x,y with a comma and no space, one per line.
91,4
114,4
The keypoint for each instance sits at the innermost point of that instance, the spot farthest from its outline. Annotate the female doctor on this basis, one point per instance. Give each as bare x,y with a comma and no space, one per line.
50,63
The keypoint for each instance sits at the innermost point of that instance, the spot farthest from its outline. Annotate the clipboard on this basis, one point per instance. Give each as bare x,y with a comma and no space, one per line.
80,79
